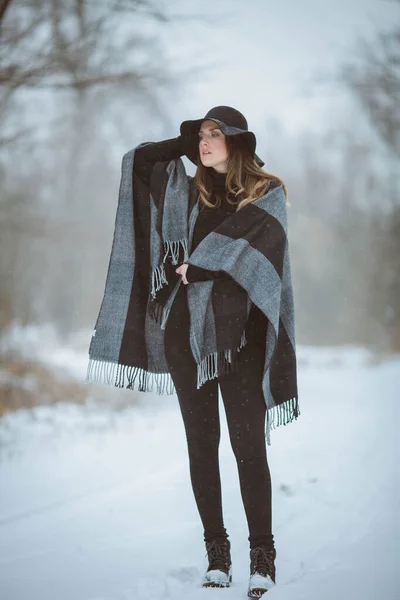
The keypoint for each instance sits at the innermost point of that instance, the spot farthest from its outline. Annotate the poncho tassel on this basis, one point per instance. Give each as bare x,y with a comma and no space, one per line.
172,249
158,279
282,414
124,376
216,364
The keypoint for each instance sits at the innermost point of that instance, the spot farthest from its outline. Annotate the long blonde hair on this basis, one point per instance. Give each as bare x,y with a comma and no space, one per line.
245,180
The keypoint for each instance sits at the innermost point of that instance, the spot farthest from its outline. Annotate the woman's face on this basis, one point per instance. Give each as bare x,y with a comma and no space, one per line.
212,147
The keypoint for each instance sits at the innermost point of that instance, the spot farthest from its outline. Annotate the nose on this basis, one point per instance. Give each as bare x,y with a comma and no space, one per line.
203,145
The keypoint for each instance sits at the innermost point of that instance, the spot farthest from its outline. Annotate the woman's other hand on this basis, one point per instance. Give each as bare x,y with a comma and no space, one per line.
181,270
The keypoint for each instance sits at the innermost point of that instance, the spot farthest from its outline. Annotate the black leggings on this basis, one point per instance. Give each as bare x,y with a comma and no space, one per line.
245,412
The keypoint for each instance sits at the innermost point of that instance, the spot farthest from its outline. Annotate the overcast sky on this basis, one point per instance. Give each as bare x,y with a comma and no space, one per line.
270,54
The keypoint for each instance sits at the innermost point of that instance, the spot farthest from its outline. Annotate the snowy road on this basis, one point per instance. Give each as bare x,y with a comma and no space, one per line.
97,505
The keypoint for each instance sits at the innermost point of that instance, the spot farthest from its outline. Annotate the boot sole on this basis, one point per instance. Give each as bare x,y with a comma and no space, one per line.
219,584
257,593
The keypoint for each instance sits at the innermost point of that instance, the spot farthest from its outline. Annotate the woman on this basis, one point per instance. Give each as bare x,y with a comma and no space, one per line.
227,177
229,326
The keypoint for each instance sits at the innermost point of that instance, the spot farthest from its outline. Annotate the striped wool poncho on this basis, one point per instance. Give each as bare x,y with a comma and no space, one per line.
154,223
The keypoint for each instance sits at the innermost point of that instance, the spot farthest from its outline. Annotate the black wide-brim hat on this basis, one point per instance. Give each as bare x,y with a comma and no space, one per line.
230,121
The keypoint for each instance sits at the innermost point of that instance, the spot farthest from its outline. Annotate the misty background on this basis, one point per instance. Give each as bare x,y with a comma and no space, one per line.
84,81
96,497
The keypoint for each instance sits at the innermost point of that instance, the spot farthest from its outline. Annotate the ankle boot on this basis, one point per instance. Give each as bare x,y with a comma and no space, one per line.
219,572
262,571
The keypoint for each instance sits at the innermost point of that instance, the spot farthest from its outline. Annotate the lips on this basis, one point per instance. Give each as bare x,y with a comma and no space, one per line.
206,153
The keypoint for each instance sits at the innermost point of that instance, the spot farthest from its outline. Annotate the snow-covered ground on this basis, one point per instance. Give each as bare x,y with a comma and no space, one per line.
97,505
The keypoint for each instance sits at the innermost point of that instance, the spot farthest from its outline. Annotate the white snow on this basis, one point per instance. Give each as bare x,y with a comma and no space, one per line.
96,504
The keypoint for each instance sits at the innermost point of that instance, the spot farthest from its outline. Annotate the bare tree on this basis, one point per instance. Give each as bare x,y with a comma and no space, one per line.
373,77
4,4
67,71
83,46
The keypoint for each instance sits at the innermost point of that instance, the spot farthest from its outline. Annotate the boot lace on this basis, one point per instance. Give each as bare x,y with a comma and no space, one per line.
262,562
218,556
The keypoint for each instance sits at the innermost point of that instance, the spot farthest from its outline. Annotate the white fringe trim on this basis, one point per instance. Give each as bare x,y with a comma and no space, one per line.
158,276
123,376
172,248
281,414
158,279
131,378
208,367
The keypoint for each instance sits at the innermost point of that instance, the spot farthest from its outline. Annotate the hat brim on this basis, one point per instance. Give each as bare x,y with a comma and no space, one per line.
192,128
